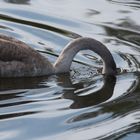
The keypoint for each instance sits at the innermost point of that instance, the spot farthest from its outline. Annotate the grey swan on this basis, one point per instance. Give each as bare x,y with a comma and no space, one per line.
17,59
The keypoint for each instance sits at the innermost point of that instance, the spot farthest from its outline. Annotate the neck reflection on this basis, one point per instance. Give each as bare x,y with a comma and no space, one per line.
92,99
68,92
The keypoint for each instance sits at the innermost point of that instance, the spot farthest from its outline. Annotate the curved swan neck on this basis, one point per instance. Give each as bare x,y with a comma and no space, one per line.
65,58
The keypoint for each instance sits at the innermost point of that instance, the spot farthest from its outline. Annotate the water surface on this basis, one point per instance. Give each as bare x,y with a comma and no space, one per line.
83,104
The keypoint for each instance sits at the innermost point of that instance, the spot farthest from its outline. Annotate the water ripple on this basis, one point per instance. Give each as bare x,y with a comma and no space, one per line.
82,104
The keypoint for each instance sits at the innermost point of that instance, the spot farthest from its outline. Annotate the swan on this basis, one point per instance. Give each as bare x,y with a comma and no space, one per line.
17,59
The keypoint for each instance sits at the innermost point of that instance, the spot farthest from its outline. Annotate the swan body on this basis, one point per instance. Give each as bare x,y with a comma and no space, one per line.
17,59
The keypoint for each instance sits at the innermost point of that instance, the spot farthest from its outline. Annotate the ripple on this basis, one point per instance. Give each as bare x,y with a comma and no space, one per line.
74,105
39,25
17,1
131,3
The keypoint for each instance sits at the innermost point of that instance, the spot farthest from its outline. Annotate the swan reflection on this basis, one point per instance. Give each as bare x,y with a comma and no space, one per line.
12,88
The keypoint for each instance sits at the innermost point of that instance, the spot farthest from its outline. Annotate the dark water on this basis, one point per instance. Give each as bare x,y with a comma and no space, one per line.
82,105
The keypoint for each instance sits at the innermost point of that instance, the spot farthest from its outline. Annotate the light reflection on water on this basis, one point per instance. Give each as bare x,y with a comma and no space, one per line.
82,104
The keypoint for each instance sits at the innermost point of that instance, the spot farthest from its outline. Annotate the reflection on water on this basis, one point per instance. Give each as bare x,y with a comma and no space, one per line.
12,88
91,99
82,104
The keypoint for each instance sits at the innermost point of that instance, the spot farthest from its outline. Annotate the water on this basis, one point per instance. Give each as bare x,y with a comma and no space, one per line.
84,104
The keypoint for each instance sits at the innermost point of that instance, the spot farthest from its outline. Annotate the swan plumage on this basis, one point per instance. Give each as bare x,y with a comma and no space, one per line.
17,59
